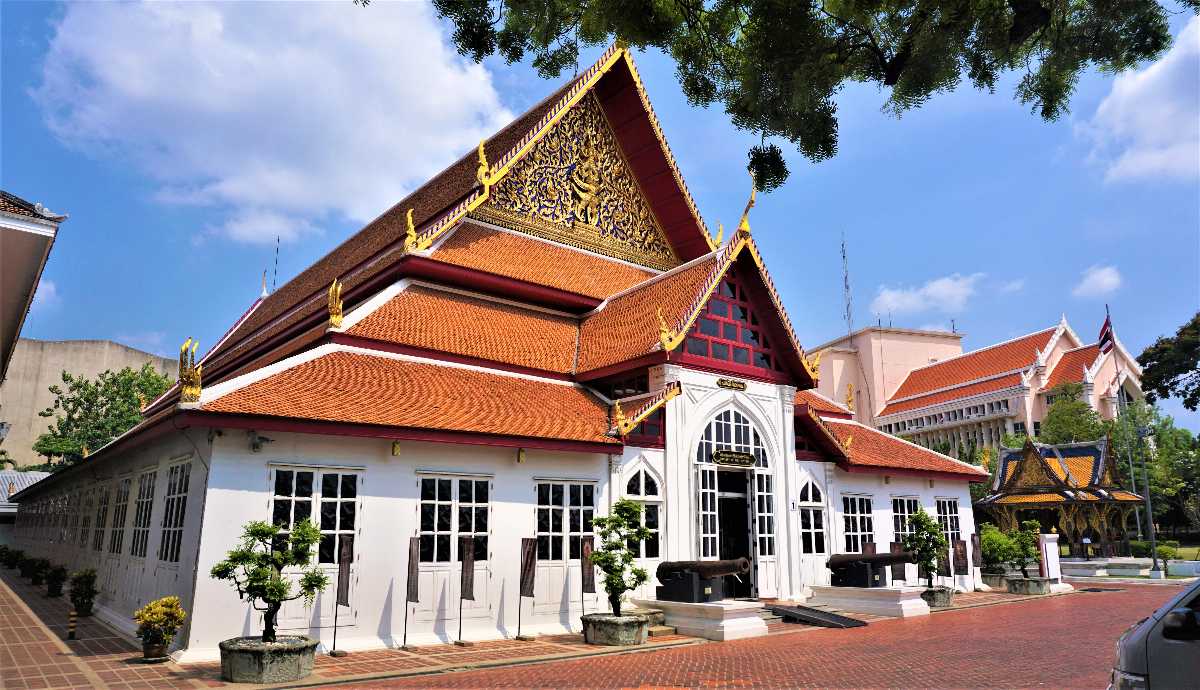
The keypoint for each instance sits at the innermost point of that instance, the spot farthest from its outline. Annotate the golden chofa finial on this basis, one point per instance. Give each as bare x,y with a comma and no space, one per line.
813,364
744,225
410,232
189,372
666,334
846,443
850,396
619,421
483,172
335,304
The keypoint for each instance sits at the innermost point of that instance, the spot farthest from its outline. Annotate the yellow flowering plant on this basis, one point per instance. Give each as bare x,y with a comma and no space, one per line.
159,620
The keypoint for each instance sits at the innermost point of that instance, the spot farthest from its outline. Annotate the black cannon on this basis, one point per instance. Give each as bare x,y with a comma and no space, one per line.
863,569
697,581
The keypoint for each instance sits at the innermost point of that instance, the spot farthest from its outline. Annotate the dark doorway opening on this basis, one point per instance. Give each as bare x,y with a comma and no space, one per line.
734,529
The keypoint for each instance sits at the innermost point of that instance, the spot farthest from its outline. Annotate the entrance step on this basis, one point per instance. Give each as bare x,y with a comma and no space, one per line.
657,630
769,616
823,616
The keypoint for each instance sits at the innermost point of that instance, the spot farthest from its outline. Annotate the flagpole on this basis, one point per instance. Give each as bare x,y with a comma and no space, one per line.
1137,511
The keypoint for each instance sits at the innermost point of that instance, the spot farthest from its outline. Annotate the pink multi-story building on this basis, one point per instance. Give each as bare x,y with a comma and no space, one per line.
920,385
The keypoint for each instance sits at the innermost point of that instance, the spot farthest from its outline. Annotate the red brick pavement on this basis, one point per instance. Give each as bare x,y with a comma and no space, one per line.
1056,642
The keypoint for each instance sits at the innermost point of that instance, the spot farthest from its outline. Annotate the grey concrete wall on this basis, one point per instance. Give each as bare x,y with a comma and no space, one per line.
38,364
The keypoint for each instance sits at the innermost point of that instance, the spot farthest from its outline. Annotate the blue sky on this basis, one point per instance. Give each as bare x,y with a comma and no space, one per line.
182,139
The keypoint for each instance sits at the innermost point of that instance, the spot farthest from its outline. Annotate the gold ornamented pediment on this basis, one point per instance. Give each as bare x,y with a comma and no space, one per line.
574,187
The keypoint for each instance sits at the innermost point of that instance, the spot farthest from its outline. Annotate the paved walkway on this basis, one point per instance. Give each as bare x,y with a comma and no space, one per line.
1061,641
1050,642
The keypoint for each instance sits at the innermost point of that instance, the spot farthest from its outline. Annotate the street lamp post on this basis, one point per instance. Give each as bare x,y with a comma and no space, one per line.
1155,571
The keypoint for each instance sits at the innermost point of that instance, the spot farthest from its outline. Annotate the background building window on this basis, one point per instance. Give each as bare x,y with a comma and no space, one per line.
859,523
174,510
141,514
452,507
116,538
947,515
903,508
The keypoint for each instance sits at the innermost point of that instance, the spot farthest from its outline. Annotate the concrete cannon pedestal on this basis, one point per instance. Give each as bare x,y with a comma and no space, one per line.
718,620
900,602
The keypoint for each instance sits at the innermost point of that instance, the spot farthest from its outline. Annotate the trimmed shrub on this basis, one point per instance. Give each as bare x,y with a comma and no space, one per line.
37,574
995,549
83,591
13,557
55,577
159,620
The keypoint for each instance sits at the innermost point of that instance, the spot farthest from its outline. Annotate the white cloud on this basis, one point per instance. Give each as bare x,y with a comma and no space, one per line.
46,296
279,115
1012,286
1098,281
1148,126
947,294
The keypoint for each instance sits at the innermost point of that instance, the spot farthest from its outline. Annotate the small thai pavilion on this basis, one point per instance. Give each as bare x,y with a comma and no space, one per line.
1072,486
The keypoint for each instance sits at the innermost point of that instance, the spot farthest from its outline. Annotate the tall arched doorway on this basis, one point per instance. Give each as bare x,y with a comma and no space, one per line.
735,502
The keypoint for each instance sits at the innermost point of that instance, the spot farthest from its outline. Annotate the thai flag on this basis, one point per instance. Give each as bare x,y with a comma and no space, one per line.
1107,340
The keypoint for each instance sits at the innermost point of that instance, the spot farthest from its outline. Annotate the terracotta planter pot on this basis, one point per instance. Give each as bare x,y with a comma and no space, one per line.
607,629
250,660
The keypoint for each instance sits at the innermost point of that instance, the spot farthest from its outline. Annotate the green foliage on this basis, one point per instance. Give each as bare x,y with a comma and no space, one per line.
995,549
1070,419
1014,440
1171,366
1167,550
88,414
620,533
256,568
1171,457
38,568
159,620
55,577
27,565
777,67
926,542
12,558
83,591
1025,546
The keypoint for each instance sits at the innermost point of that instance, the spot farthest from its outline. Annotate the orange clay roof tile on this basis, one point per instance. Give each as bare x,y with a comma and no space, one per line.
979,388
989,361
819,402
535,261
1070,366
451,322
357,388
871,448
1031,498
627,326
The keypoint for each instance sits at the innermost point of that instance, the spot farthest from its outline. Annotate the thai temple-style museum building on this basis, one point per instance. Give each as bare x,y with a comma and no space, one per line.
545,327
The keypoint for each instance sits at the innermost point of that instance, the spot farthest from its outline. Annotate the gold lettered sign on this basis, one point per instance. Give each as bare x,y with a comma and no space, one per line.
733,458
732,384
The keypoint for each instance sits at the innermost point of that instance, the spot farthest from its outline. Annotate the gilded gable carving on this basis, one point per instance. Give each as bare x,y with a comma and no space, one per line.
574,187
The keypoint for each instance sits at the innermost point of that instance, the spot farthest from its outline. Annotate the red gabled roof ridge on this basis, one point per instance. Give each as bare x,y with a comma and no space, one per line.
1073,365
910,388
823,405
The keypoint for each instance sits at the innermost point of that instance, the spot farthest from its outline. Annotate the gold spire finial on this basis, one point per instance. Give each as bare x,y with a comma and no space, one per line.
410,232
189,372
141,401
850,396
720,233
86,452
744,225
335,304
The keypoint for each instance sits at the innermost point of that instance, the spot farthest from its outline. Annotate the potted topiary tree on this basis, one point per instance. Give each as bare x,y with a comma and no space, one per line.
27,565
83,591
1024,554
12,558
157,623
995,549
926,542
55,577
619,533
256,570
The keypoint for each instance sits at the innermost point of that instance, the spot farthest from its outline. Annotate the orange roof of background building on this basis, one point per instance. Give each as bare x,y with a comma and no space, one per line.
978,388
867,448
1071,366
989,361
537,261
358,388
445,321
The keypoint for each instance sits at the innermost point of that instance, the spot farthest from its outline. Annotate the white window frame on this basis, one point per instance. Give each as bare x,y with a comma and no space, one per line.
858,525
949,522
574,521
731,429
643,478
170,536
313,502
902,519
139,544
116,535
453,503
811,534
103,497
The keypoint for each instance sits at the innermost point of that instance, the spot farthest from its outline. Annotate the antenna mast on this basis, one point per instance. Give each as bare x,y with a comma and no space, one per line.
846,298
275,276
